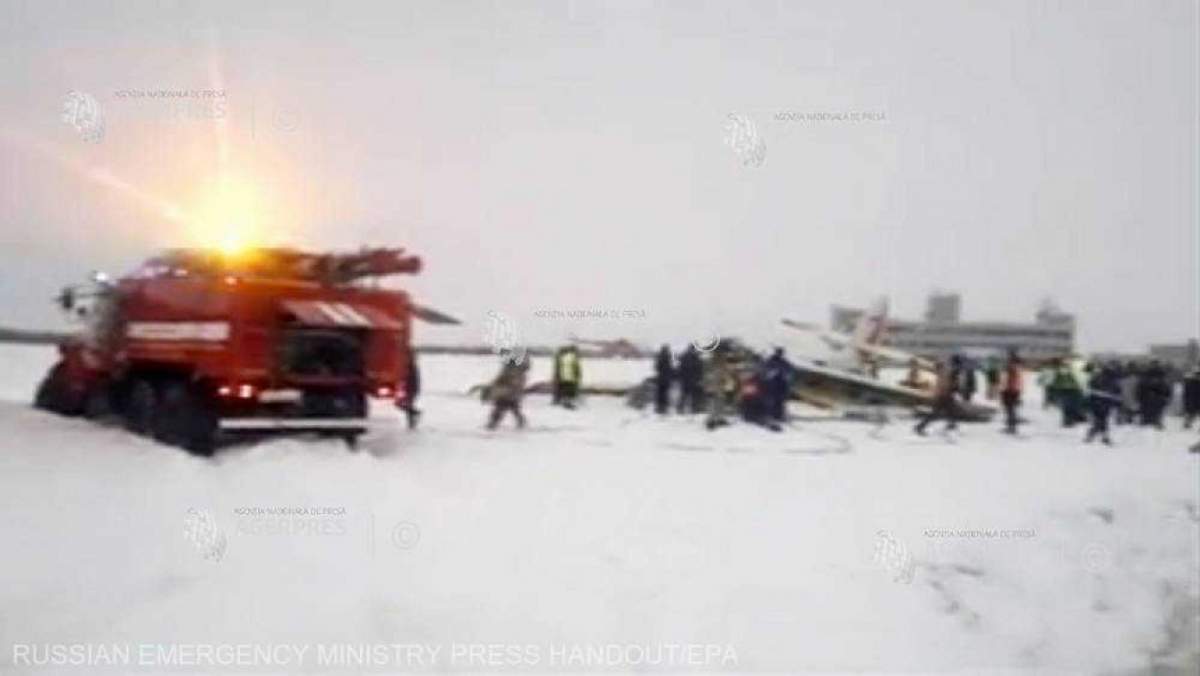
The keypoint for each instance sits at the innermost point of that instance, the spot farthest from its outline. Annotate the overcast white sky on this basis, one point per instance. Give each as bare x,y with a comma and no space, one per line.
571,155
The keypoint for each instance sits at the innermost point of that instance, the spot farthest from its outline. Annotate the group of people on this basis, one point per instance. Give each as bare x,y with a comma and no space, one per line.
726,382
1136,393
956,382
1085,392
687,373
758,392
507,390
720,385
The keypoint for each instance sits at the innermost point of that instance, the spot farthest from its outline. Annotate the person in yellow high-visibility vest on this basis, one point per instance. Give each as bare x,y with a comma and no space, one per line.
570,373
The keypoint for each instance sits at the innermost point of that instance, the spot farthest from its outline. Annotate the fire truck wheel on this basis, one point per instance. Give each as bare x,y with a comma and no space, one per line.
53,394
185,420
97,403
46,396
141,407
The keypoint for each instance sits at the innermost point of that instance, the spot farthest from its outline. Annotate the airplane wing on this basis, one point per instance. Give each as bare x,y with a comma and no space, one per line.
839,341
897,355
603,389
802,326
33,337
831,388
833,340
837,385
547,387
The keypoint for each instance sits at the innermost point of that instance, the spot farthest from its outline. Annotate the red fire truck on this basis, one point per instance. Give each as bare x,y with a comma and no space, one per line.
197,346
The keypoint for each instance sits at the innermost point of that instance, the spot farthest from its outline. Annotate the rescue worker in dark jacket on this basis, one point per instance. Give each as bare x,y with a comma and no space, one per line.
944,405
1010,391
412,390
967,384
691,378
1126,414
1104,393
1154,393
664,375
754,399
777,377
507,391
1191,397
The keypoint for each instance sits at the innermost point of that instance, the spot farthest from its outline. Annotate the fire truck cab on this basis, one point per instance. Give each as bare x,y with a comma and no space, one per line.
196,346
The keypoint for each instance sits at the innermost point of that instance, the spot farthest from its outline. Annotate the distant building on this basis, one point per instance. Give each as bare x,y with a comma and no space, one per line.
1183,356
943,308
1179,356
943,333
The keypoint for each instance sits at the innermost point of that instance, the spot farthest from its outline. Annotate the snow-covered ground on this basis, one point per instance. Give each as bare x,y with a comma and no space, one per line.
833,546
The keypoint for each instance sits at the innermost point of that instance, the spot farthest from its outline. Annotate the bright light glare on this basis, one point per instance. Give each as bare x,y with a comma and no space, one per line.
231,241
226,218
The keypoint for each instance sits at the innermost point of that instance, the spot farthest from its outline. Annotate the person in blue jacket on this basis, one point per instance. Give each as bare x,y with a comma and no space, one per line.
778,375
1104,393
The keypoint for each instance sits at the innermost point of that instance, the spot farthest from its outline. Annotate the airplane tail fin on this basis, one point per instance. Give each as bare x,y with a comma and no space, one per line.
872,324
